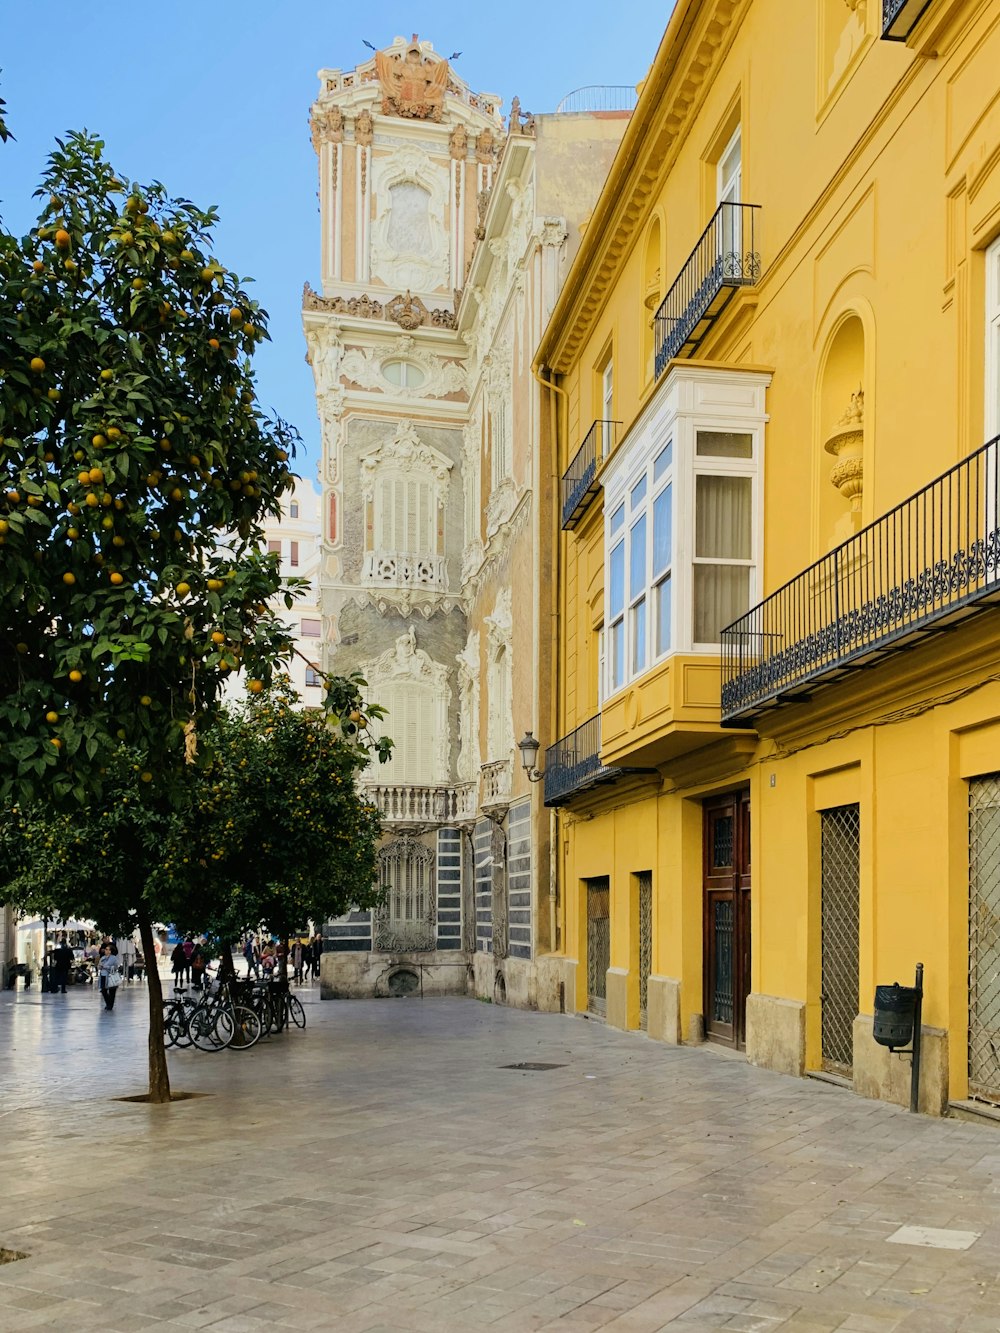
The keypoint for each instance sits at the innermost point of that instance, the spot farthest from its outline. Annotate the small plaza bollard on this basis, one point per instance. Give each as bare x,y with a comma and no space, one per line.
897,1014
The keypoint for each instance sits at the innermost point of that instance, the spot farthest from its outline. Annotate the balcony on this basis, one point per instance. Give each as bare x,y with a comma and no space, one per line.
900,17
401,569
922,567
573,764
401,804
496,783
580,480
724,260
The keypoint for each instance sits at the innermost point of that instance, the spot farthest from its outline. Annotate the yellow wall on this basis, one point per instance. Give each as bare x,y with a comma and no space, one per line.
878,174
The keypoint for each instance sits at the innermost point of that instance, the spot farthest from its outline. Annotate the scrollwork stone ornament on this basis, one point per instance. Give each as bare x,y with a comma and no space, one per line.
847,445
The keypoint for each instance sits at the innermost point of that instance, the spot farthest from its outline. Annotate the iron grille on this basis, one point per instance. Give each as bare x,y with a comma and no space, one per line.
984,938
598,944
933,559
722,971
406,918
498,857
840,911
645,940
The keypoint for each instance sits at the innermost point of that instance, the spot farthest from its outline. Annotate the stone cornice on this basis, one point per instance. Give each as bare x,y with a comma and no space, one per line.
697,40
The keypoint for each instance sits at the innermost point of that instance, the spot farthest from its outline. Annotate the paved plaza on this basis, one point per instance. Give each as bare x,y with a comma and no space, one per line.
383,1170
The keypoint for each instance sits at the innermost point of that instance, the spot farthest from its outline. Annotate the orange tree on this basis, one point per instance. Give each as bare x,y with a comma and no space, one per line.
268,829
277,830
136,468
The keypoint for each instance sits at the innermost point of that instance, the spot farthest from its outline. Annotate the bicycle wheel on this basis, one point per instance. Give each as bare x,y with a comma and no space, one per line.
295,1011
175,1023
246,1028
211,1029
262,1008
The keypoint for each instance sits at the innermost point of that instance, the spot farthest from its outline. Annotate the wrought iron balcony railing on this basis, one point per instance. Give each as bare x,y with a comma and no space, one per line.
573,764
900,17
932,560
580,480
724,259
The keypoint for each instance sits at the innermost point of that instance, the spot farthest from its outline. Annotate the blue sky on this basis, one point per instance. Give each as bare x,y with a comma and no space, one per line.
213,101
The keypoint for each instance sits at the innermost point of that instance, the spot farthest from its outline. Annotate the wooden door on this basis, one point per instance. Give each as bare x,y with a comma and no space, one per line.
726,844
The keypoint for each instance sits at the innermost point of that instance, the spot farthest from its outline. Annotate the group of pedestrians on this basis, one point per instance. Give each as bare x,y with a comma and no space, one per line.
302,955
189,961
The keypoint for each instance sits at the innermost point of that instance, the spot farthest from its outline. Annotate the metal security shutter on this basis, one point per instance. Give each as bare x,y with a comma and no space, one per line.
984,938
840,909
598,944
645,940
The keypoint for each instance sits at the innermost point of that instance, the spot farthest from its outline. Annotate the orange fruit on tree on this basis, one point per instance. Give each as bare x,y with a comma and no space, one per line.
107,374
145,700
50,716
117,578
69,578
255,686
183,589
56,742
218,637
63,239
37,364
76,676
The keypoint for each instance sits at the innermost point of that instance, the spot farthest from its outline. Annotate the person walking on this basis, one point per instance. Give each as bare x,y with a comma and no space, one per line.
298,955
316,952
109,975
62,961
188,947
252,954
198,962
178,962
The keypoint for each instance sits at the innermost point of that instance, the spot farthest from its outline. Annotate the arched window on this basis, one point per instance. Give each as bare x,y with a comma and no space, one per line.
414,690
407,915
405,486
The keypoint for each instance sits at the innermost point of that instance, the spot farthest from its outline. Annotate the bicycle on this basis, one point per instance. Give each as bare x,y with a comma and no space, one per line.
212,1023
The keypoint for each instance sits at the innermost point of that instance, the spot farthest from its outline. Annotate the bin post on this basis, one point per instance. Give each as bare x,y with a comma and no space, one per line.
917,1019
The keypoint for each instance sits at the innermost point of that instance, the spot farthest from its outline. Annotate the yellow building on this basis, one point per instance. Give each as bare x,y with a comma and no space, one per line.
774,365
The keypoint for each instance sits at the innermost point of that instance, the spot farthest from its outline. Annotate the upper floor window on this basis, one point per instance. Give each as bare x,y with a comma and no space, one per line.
274,548
293,509
730,170
310,629
313,677
993,340
405,484
293,553
404,374
682,537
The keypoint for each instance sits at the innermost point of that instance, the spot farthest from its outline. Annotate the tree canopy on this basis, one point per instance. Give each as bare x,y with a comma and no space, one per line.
136,468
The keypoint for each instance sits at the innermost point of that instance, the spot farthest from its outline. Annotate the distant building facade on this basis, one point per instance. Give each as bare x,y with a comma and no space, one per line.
439,270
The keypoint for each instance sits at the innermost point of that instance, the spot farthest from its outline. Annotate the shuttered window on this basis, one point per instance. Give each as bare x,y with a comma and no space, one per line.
412,722
405,516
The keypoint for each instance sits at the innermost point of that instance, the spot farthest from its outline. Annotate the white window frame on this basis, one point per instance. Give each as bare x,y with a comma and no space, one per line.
672,419
729,185
992,407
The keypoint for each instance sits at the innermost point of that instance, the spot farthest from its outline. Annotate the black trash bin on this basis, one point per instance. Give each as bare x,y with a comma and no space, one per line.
895,1010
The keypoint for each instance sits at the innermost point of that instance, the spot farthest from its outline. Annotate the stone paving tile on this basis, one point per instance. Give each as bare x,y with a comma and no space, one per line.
382,1171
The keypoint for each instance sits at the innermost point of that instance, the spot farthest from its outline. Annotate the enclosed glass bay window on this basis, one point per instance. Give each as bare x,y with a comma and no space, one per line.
682,527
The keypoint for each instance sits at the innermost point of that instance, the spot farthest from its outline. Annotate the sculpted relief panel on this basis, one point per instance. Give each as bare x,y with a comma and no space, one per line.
409,248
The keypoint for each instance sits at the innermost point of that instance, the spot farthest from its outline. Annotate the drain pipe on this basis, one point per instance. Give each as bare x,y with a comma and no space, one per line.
556,435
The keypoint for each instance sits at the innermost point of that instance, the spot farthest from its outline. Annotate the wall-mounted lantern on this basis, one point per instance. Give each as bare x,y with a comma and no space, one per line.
900,17
529,748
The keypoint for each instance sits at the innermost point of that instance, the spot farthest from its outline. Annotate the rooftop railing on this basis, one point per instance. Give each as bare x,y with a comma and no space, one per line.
724,259
931,561
599,97
580,480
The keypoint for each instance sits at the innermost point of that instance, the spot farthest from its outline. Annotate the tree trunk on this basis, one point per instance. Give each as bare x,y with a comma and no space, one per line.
227,968
159,1078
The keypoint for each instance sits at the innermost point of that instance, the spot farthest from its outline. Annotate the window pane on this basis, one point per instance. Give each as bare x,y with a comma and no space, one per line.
662,530
724,444
617,654
721,595
722,518
639,637
617,589
293,509
638,494
293,553
663,461
637,558
309,629
617,519
274,548
663,602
